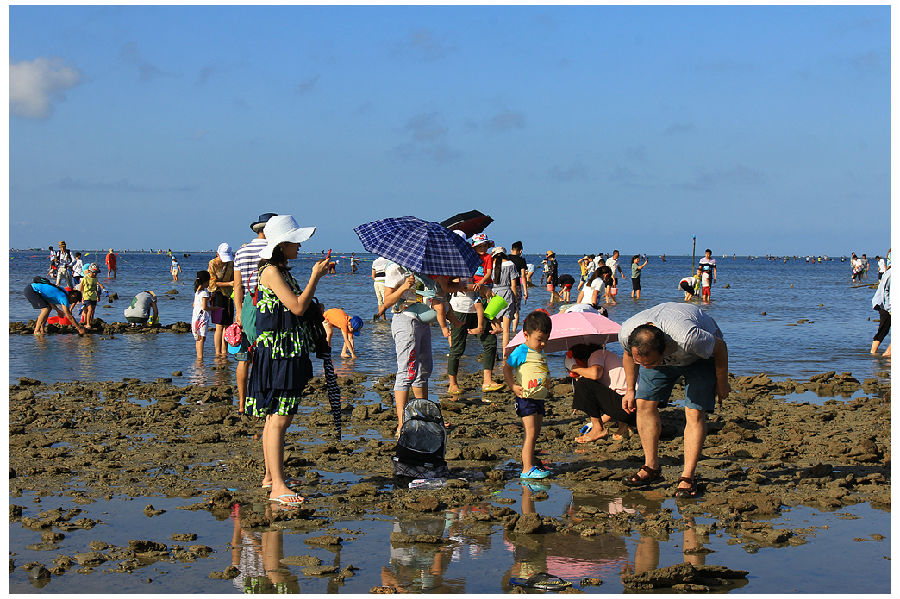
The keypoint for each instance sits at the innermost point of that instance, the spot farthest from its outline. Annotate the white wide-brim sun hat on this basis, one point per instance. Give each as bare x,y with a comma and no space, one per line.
283,228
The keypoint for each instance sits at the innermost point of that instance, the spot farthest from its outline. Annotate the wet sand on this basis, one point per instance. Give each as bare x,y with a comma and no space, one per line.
763,455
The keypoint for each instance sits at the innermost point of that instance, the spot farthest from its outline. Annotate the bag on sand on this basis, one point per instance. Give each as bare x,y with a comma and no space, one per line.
422,441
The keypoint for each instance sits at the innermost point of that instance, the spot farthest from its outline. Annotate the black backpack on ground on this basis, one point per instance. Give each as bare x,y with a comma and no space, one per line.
422,442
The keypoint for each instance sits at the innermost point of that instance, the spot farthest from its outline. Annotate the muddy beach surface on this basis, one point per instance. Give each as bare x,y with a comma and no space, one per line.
117,485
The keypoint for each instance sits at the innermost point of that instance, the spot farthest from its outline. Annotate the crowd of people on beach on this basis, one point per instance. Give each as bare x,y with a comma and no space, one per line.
271,323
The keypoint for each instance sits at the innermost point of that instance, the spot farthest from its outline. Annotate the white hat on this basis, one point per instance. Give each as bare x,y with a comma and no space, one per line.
224,251
283,228
499,249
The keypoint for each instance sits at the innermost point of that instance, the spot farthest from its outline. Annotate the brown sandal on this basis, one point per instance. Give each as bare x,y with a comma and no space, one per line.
635,480
688,492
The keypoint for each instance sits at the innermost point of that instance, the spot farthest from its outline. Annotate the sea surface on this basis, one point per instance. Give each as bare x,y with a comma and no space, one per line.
788,319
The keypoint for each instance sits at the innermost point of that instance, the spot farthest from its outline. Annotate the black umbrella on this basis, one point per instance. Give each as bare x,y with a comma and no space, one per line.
470,222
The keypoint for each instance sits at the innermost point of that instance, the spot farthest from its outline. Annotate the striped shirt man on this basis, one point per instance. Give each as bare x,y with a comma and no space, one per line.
246,260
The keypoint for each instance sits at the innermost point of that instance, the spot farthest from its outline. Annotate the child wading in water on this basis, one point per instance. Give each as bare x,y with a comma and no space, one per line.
636,269
200,317
527,374
89,288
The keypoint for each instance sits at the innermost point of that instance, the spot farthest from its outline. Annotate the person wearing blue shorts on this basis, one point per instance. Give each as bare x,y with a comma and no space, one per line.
662,345
527,375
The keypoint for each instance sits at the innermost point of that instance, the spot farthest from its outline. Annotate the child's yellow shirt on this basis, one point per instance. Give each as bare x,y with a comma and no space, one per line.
531,372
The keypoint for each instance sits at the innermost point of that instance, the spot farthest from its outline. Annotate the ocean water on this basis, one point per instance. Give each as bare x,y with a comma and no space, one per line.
788,319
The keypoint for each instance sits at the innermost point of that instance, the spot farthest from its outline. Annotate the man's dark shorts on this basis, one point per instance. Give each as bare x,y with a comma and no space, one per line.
655,384
38,301
527,407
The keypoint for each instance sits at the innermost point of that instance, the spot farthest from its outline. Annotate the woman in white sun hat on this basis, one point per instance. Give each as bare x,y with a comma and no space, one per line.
280,364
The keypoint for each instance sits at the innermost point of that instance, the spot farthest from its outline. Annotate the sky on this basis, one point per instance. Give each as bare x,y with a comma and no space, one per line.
758,130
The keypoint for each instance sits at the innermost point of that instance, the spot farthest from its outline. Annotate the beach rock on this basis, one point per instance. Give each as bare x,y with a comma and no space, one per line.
227,574
324,540
301,560
92,558
319,570
150,511
184,536
678,575
142,546
528,523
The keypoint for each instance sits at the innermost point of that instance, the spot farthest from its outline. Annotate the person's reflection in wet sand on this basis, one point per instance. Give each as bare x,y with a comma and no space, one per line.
420,567
646,554
258,556
529,551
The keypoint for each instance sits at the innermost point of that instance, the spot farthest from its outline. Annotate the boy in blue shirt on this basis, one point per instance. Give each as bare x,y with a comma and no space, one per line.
527,374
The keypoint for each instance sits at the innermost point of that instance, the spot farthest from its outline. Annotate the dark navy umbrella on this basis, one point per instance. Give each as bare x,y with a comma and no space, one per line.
420,246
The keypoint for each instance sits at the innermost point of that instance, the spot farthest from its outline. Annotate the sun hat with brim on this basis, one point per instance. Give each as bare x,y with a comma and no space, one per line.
225,253
260,222
356,325
283,228
479,238
498,249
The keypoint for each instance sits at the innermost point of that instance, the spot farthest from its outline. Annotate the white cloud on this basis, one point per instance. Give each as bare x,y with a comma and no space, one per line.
35,85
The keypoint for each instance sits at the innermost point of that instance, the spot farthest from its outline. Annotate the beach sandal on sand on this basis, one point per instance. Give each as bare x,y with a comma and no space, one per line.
491,388
635,480
542,581
288,499
687,493
456,391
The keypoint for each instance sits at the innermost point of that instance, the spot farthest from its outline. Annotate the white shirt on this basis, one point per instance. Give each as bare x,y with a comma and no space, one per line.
463,302
198,304
612,263
594,291
394,277
379,265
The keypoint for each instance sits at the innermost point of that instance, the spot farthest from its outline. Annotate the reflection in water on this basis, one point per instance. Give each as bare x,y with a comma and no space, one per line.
215,370
258,556
420,567
529,551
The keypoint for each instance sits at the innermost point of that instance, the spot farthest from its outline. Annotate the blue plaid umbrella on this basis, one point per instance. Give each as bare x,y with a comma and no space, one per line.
420,246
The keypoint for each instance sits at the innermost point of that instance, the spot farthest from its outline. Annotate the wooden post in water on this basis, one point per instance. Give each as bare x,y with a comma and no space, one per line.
693,254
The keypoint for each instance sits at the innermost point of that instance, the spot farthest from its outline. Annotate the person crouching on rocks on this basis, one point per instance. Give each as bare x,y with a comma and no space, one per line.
47,296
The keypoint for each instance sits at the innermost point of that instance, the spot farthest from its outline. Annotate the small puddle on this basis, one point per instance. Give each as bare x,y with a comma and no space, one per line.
812,397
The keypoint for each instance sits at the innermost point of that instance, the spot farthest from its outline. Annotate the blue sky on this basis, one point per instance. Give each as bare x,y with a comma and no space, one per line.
757,129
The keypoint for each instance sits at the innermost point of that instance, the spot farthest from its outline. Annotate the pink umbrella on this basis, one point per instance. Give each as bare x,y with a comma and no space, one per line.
572,328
